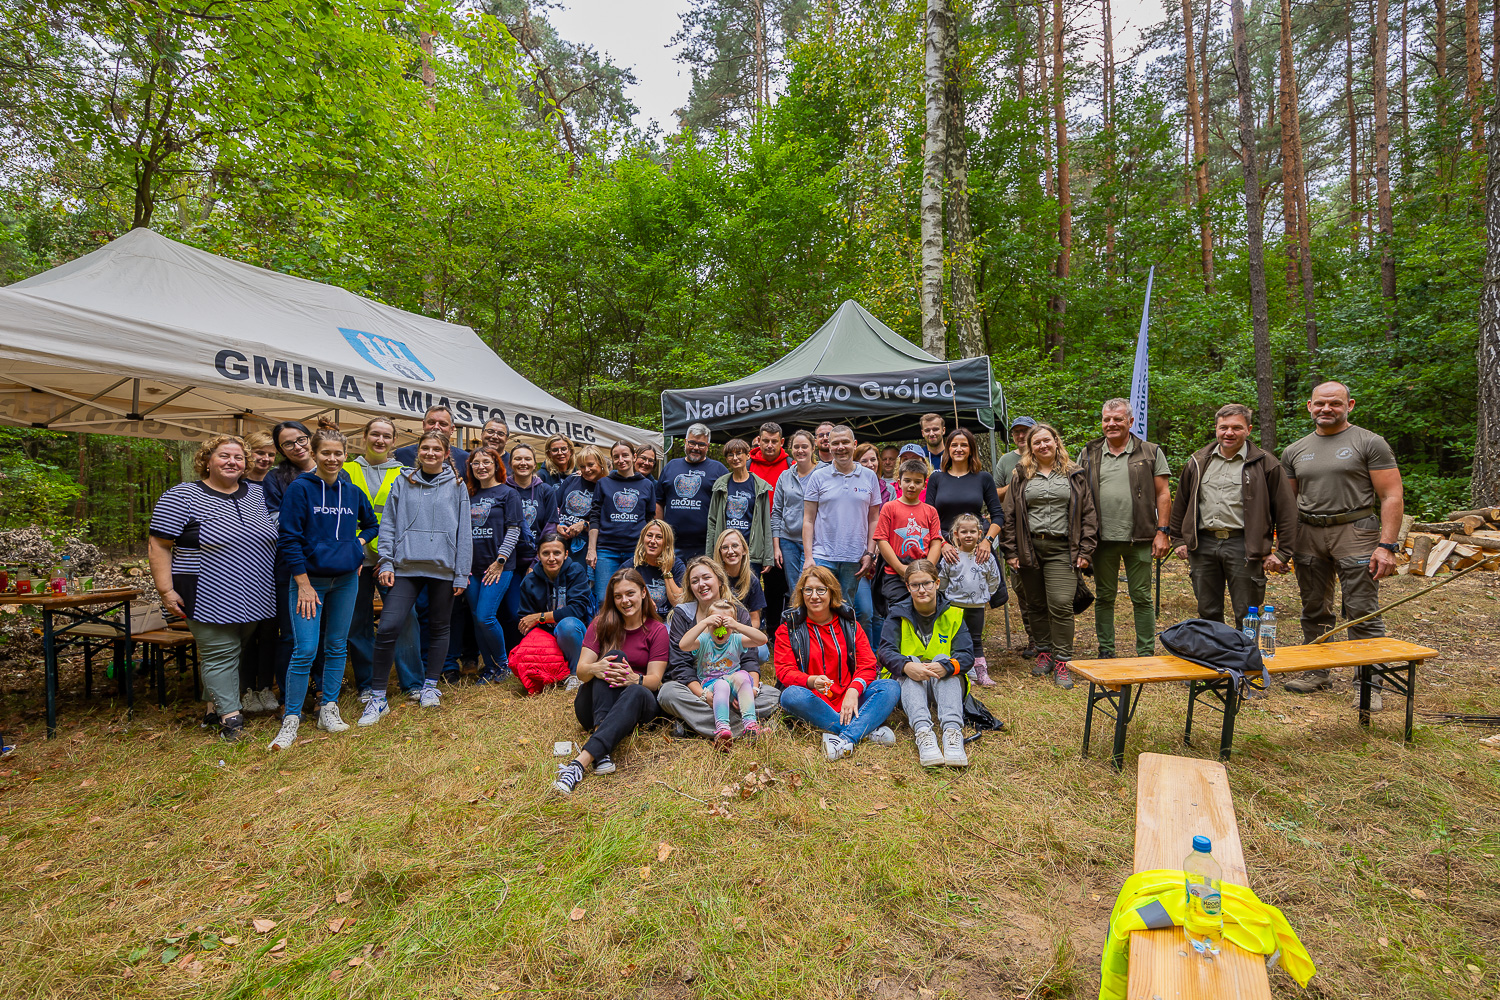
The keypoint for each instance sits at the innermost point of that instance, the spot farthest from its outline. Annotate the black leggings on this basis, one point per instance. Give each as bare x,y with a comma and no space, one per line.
393,615
974,622
258,658
616,712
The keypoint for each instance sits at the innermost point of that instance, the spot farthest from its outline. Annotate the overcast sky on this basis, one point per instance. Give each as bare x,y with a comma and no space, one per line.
635,33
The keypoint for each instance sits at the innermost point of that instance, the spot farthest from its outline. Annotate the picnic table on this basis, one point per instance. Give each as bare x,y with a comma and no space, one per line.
81,616
1115,685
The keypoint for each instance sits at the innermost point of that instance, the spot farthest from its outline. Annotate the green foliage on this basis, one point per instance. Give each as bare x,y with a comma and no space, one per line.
33,491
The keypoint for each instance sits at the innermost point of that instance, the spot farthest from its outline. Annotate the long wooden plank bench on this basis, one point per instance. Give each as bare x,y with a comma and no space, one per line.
1178,798
1112,682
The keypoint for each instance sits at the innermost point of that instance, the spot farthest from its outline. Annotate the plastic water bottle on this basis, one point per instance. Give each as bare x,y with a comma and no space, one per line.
1251,625
1268,633
70,580
1203,919
57,582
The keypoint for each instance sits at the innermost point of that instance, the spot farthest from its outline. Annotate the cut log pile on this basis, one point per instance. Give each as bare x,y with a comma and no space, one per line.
1465,538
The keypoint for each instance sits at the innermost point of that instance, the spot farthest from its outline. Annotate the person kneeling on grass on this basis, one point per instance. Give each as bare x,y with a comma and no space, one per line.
826,669
620,670
325,522
556,596
926,646
718,641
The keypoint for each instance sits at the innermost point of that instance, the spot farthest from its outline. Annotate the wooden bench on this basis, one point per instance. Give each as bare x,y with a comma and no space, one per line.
156,643
1112,681
1178,798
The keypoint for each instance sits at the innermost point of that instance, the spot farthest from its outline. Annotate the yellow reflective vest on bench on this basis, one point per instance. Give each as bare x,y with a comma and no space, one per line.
1154,900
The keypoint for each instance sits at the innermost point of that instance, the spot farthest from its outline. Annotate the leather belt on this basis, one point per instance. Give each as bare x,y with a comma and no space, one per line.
1050,538
1224,532
1328,520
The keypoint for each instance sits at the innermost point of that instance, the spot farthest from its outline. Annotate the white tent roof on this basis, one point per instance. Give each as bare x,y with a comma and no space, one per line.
152,338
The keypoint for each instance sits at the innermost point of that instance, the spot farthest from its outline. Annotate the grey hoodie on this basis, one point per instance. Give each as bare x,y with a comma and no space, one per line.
426,530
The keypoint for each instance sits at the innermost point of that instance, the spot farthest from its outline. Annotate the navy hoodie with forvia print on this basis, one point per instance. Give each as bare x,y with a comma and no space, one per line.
624,504
324,527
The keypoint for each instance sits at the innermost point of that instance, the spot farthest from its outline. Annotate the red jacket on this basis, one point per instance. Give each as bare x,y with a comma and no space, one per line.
824,649
769,471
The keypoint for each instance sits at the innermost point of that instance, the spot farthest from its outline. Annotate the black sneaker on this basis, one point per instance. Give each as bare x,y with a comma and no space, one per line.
1029,653
568,777
232,729
604,765
210,719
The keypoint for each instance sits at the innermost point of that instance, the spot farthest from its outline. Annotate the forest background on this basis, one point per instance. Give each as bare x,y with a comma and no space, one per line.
986,177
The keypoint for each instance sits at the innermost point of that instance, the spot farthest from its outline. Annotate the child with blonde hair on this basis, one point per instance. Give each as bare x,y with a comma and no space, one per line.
718,640
968,584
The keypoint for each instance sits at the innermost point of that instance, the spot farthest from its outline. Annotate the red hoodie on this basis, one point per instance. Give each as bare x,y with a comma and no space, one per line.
769,471
826,655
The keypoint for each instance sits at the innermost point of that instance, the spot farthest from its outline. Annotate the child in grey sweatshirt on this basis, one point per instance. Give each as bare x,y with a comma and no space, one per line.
967,583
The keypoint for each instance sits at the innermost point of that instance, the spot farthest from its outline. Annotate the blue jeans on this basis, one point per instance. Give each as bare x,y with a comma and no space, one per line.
484,602
336,596
362,639
849,581
864,612
791,564
875,706
510,604
569,635
608,561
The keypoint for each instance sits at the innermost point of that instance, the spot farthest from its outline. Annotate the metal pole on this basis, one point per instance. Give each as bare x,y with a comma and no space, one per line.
1158,584
1410,597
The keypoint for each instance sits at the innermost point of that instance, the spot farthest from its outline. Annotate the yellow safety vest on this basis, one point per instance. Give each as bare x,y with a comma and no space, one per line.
940,644
1154,900
388,478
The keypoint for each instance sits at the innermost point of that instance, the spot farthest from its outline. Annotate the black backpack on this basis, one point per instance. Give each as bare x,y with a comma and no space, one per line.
1218,647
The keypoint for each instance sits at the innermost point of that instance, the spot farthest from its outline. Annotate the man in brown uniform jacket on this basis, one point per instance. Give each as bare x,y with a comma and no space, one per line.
1234,518
1349,503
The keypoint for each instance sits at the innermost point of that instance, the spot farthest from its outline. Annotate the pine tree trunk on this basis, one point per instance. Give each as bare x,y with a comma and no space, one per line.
1485,488
1440,61
1284,110
1405,97
1383,166
1474,81
1353,122
1260,323
1200,155
1044,87
1292,122
1056,340
934,329
960,226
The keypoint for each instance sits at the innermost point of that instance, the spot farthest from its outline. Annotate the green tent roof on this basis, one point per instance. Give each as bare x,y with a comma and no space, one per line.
852,342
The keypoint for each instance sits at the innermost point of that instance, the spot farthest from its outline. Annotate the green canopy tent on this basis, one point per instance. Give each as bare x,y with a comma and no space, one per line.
853,369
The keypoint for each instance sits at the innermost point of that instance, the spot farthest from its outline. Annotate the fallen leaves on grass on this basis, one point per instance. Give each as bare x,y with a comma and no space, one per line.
842,946
1417,893
577,914
262,925
645,872
822,802
279,946
338,924
664,851
343,897
356,962
740,923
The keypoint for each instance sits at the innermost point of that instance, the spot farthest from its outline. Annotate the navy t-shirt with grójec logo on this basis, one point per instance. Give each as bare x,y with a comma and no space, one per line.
684,492
625,503
739,507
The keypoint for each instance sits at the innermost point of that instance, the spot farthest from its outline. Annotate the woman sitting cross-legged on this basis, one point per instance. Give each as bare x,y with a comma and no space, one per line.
620,669
826,669
684,695
927,648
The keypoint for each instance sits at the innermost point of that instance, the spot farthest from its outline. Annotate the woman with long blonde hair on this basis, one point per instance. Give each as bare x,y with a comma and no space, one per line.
657,561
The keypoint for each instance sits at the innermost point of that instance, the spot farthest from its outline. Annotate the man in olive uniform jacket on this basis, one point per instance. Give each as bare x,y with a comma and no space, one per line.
1349,504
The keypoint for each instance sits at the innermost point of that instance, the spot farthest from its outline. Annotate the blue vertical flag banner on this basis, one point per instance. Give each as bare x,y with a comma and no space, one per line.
1140,379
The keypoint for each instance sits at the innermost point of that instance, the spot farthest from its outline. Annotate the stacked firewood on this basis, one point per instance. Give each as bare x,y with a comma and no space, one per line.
1465,538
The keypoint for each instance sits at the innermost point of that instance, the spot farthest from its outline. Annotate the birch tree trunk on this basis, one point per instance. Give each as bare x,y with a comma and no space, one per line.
1383,166
1260,323
1056,341
1200,155
1486,484
934,329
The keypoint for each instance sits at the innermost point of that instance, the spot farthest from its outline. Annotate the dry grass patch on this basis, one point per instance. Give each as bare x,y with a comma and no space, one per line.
425,858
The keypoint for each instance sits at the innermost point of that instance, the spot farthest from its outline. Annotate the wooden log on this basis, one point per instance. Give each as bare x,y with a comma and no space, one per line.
1483,513
1486,533
1406,522
1441,527
1420,550
1489,540
1439,555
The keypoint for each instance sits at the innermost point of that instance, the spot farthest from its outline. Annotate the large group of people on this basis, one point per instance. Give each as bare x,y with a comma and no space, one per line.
816,576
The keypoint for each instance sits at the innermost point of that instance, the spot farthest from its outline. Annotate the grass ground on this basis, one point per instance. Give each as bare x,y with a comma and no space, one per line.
424,858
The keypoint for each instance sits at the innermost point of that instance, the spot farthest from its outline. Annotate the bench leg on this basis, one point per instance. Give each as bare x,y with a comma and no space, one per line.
88,669
1411,694
159,669
1088,719
1122,720
1187,732
1364,696
49,657
125,675
1231,709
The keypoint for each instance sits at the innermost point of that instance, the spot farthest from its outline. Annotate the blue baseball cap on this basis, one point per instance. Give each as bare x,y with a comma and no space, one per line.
1022,422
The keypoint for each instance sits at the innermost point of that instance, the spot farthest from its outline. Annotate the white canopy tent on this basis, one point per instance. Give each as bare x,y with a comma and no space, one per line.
148,337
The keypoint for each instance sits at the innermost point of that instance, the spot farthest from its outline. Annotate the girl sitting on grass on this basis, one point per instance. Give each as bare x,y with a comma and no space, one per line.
718,639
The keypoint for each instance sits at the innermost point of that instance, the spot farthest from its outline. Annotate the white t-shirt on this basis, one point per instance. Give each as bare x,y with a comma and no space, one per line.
842,530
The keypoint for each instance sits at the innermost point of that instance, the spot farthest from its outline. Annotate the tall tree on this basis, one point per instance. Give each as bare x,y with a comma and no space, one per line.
1056,343
1110,204
1474,75
1299,226
1485,485
1260,323
960,222
735,51
1200,154
1440,67
1044,88
934,329
1353,122
1380,59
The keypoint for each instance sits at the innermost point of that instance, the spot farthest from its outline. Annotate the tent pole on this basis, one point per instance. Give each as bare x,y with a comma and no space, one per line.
135,401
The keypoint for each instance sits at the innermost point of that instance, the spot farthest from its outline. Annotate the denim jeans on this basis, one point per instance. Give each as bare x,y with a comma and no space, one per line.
864,612
484,604
791,563
336,606
569,635
849,580
362,639
510,604
875,706
608,561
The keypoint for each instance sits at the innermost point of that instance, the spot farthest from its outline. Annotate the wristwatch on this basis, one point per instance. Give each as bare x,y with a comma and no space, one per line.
1162,529
1388,546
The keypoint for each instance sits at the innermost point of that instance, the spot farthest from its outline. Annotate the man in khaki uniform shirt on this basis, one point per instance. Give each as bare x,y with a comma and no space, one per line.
1349,502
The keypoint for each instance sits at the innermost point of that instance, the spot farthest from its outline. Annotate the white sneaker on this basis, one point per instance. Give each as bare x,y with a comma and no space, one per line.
288,734
430,696
414,694
928,752
329,721
572,683
882,737
836,747
250,702
374,709
365,695
954,754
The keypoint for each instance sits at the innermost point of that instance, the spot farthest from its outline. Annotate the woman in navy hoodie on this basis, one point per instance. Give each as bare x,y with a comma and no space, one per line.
557,596
325,522
495,510
626,500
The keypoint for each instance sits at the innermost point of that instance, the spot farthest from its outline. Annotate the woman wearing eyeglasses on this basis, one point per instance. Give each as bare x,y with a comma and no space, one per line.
826,669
